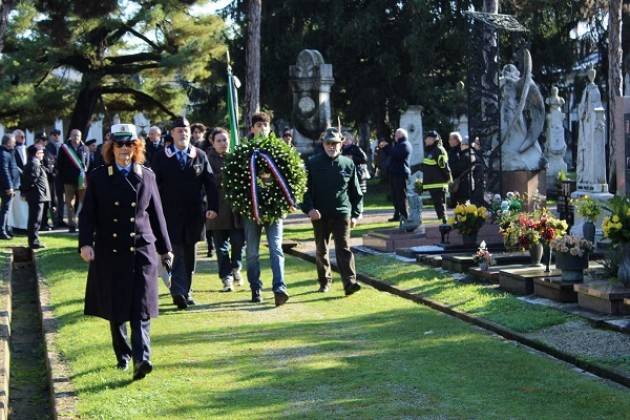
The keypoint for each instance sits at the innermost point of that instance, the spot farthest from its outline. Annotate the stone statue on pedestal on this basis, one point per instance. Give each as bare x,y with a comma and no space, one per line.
311,81
414,202
556,145
591,160
522,119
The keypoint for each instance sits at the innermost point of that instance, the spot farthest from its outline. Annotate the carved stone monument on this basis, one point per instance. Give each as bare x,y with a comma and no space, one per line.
311,81
411,120
591,156
522,122
556,145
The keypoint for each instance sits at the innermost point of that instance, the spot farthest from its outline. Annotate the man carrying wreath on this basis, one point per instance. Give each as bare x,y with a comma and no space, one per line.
334,202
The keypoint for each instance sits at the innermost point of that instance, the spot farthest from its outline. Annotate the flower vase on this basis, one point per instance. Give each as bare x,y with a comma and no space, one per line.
623,272
536,254
470,240
588,231
547,256
572,266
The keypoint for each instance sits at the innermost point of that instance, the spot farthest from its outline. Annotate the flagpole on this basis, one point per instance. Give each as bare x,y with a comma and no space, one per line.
232,105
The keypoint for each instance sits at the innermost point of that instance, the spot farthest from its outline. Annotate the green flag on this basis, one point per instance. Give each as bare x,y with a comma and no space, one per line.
232,106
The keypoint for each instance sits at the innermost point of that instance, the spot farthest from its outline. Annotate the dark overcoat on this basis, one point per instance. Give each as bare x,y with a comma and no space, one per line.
183,192
66,169
34,183
122,219
9,171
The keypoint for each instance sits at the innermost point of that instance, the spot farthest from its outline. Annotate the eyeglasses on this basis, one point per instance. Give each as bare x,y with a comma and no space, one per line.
129,143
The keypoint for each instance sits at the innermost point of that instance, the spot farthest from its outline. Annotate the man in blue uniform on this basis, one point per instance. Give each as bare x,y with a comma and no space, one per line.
185,178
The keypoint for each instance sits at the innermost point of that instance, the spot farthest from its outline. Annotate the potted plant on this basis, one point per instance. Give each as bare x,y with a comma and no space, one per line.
590,210
616,227
467,220
533,231
572,256
483,257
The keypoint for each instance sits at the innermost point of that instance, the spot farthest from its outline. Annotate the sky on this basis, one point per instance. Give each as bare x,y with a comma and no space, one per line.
209,7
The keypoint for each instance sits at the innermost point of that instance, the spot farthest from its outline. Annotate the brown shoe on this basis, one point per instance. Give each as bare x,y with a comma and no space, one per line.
280,298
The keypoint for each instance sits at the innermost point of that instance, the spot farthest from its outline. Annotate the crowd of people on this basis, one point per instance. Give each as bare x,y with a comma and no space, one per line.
144,205
457,171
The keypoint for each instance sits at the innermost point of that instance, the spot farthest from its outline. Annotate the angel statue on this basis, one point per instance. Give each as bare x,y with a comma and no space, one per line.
522,119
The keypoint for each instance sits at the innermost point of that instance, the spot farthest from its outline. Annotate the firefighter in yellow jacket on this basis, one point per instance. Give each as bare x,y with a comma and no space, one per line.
436,173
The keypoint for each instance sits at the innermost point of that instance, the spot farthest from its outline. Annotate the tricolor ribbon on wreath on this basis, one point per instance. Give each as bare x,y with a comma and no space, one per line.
278,178
74,158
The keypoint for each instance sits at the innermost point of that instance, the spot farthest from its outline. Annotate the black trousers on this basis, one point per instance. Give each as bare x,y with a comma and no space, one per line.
398,186
140,348
339,228
183,268
59,200
35,215
438,196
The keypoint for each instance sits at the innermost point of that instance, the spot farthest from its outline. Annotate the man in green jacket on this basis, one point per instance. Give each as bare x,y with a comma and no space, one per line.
333,202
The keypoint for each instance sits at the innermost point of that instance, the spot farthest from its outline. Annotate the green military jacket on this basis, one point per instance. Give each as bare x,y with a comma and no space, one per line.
332,187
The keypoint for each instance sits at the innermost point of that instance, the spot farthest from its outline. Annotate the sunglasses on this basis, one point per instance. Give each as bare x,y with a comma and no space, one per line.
129,143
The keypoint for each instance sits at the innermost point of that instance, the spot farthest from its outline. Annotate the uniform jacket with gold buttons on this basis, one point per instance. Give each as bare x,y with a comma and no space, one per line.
122,219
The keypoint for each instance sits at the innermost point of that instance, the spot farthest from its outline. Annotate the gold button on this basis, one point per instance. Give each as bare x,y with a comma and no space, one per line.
114,251
116,203
132,249
132,234
115,220
133,204
133,219
115,235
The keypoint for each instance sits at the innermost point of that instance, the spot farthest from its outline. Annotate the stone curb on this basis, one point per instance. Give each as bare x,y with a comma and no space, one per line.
63,395
592,368
5,335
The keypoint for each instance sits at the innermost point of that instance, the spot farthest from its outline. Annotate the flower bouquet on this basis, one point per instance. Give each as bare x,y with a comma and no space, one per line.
483,257
571,256
616,227
467,220
590,210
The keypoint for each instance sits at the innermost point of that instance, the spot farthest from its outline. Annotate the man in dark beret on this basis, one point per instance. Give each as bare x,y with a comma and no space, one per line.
189,195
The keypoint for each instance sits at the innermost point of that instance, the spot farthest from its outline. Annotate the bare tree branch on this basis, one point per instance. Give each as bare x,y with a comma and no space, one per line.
144,38
138,94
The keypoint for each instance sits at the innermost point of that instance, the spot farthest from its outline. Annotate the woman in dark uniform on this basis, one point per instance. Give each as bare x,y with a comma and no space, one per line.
121,226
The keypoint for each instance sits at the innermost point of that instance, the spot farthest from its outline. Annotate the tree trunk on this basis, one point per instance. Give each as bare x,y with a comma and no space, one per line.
491,6
5,8
83,110
615,89
364,142
252,60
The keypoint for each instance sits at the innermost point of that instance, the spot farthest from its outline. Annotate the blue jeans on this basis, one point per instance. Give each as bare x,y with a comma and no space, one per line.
276,256
222,240
5,207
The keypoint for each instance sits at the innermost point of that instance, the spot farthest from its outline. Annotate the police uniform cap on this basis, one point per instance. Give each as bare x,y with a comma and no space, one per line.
433,134
123,132
90,142
180,122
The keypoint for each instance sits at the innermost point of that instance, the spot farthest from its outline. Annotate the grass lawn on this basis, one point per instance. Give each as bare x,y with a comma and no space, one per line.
372,355
479,300
377,196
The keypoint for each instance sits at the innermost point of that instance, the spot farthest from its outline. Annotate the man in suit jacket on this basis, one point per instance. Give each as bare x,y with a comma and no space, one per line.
20,149
184,178
9,182
154,144
56,185
35,190
72,165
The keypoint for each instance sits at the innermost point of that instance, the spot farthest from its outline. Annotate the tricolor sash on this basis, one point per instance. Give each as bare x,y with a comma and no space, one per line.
76,161
279,179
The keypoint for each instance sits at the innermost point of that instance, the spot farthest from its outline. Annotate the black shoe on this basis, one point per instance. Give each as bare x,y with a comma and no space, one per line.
142,369
180,301
353,288
280,298
190,301
72,229
4,236
394,219
46,228
324,287
123,364
37,246
61,225
210,254
256,297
